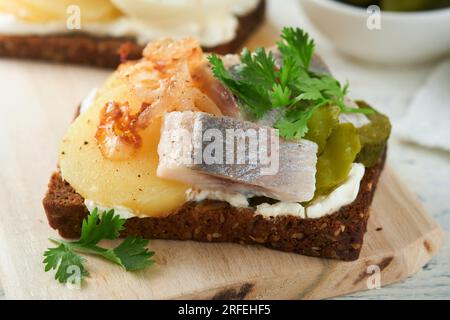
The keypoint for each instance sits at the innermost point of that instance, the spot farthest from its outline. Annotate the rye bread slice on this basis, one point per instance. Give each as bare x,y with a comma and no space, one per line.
83,48
338,236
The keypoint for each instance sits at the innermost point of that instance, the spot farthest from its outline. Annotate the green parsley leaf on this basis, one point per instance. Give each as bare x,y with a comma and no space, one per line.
131,254
63,259
109,227
257,68
261,86
254,96
280,96
291,73
297,45
295,123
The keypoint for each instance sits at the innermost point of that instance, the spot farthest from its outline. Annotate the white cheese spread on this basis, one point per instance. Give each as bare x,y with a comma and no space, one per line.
281,209
343,195
212,22
121,211
235,199
357,119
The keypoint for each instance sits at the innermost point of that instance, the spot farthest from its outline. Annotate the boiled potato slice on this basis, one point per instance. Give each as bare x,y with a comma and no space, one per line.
41,11
130,183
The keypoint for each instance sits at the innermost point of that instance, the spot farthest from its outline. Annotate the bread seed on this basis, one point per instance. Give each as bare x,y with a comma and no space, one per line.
298,236
187,235
258,240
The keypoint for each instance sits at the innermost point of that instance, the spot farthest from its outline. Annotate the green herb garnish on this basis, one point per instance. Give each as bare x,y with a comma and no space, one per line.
260,86
131,254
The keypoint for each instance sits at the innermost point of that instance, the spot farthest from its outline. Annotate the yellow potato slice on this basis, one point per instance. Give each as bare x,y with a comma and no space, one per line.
131,183
42,11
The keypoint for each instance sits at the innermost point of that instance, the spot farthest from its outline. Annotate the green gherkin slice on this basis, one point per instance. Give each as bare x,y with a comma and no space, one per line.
373,137
321,124
361,3
413,5
334,164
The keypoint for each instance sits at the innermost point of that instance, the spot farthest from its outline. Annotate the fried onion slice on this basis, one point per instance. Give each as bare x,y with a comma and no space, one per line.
163,81
116,134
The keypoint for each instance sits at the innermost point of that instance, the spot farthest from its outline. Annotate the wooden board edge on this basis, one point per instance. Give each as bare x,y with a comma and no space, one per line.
333,278
394,267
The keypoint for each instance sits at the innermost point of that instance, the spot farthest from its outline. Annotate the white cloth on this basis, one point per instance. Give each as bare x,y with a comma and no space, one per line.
427,121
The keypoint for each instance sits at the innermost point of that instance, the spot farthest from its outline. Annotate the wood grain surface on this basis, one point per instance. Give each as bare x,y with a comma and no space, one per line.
37,105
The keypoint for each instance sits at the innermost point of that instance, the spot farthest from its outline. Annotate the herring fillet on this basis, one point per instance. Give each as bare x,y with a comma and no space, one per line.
294,181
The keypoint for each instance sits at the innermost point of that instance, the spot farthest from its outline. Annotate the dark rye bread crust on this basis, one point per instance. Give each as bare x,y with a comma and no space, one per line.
107,52
338,236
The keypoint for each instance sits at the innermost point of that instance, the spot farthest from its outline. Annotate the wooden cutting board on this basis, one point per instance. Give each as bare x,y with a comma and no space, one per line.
37,105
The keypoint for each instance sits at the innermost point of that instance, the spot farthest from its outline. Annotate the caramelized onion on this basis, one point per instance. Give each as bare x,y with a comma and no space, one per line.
171,76
116,134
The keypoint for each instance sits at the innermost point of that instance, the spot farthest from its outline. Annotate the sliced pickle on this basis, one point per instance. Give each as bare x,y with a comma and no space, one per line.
373,137
361,3
321,124
44,11
413,5
334,164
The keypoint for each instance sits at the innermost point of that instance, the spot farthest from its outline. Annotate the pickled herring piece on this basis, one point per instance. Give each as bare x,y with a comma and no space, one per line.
293,179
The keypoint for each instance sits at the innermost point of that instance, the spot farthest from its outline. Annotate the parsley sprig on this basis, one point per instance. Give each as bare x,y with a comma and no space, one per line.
131,254
261,86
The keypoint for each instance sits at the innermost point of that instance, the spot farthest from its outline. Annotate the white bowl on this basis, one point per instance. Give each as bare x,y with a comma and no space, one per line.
404,38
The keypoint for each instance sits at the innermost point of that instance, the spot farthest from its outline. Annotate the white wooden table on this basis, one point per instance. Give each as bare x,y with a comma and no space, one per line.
425,171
